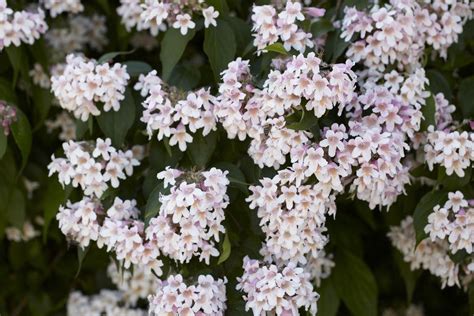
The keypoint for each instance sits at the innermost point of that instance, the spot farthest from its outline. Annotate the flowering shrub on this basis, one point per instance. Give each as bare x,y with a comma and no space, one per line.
217,157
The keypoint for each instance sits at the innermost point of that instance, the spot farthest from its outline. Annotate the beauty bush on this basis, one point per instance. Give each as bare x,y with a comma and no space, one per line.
221,157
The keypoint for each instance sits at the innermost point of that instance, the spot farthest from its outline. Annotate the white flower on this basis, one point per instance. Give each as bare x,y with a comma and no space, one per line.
210,16
183,23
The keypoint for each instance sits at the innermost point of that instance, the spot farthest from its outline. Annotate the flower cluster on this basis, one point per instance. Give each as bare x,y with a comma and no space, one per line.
292,216
85,82
66,125
41,77
320,267
167,112
7,117
429,255
26,233
261,114
92,166
452,150
106,303
271,25
157,15
56,7
399,31
173,297
136,284
20,26
269,289
118,228
454,222
191,215
81,32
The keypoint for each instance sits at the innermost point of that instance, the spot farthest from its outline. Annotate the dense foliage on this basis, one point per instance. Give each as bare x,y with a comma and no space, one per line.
227,157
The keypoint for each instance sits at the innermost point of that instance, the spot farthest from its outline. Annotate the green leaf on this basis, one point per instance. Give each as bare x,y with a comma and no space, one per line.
19,62
42,100
81,254
335,46
136,68
307,120
153,204
453,182
219,5
438,83
466,97
109,56
185,77
235,176
6,92
172,48
428,110
220,46
321,27
116,124
226,249
409,276
329,301
355,284
277,48
21,131
423,209
104,4
15,208
202,148
471,298
3,143
81,128
55,196
242,31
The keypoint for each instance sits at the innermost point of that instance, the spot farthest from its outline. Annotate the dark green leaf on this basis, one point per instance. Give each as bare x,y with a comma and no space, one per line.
3,143
428,110
277,48
459,256
471,298
42,100
226,249
220,46
15,208
355,284
116,124
438,83
423,209
236,176
109,56
136,68
6,92
21,131
219,5
242,32
466,97
55,196
335,46
81,254
453,181
329,301
306,121
321,27
202,148
185,77
19,62
409,276
172,48
153,204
